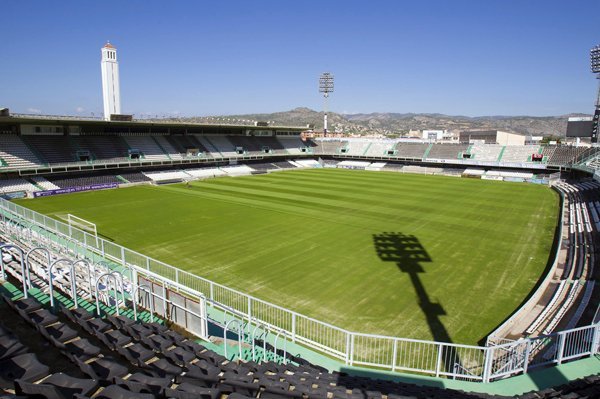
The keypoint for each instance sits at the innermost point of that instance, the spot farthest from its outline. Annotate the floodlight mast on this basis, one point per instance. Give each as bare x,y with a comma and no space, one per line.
325,87
595,66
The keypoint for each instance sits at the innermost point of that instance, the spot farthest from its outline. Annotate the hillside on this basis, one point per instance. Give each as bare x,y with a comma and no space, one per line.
396,123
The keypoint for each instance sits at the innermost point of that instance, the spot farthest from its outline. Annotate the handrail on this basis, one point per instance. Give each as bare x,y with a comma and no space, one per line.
23,274
135,294
239,334
28,254
51,280
285,341
253,337
119,280
108,275
89,269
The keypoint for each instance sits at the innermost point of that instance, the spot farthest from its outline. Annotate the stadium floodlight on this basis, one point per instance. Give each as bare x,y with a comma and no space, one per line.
325,87
595,59
595,65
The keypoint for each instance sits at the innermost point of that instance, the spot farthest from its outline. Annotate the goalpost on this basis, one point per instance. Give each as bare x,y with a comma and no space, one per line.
85,225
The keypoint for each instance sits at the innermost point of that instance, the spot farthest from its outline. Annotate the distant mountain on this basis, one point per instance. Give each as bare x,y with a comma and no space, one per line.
397,123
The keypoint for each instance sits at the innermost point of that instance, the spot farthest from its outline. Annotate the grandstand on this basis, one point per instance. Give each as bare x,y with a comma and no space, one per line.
486,152
147,147
293,145
379,148
447,151
143,143
167,148
563,155
83,180
223,146
411,150
187,145
356,147
16,185
149,358
330,146
15,153
133,177
515,153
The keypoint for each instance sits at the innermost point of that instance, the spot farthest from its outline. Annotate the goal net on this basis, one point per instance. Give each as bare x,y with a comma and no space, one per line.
82,224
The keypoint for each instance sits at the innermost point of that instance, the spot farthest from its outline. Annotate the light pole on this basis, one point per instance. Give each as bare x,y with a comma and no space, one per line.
595,66
325,87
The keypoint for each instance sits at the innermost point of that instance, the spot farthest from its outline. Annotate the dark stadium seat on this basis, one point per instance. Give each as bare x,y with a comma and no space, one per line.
26,367
179,356
114,339
117,392
56,386
212,357
136,354
163,368
60,332
200,373
157,328
138,331
142,383
25,304
236,395
176,338
190,391
95,326
119,321
243,384
10,346
157,343
75,315
104,369
79,348
190,345
40,317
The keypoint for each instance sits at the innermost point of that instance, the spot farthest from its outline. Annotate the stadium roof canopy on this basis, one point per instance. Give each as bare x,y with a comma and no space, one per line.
12,124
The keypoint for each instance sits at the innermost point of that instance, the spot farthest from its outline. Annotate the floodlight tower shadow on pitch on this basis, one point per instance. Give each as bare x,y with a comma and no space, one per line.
325,87
595,66
409,255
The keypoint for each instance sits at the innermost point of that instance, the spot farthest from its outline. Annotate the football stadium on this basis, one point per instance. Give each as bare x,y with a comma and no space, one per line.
225,259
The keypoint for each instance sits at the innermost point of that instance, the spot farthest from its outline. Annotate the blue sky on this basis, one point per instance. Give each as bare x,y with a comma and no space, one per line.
205,58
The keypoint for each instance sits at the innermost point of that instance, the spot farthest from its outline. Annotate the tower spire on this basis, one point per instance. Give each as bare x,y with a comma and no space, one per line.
110,81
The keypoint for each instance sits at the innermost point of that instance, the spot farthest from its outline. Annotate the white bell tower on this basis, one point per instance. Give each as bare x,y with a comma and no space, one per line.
111,93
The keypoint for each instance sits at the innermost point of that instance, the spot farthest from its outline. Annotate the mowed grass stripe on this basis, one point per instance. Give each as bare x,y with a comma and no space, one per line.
387,198
422,212
268,235
410,187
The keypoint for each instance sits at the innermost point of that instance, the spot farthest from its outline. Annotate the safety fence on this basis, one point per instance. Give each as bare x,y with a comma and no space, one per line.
473,363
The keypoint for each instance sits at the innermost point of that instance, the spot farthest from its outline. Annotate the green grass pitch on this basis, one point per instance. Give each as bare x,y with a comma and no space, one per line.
303,239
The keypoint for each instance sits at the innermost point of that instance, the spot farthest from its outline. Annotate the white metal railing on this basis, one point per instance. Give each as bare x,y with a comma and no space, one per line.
475,363
78,285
